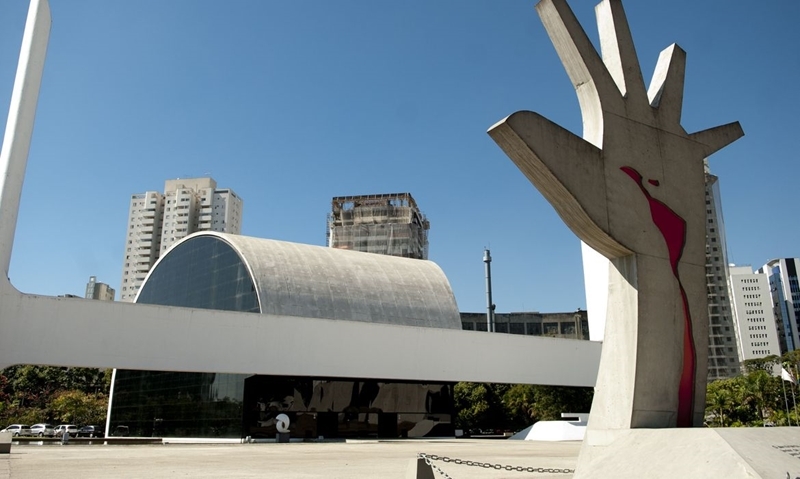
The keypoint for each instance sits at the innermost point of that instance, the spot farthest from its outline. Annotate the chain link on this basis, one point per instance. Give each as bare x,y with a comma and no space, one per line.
430,458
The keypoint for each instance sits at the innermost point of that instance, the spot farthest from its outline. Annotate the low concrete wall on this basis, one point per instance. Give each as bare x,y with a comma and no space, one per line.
5,442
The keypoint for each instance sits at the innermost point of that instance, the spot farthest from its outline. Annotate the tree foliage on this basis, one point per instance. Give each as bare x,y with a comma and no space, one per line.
31,394
478,406
757,398
77,407
482,406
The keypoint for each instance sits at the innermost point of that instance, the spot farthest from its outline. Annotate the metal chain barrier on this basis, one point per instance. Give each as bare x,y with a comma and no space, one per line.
430,458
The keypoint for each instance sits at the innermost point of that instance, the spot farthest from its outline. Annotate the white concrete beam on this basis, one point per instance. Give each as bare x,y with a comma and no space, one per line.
104,334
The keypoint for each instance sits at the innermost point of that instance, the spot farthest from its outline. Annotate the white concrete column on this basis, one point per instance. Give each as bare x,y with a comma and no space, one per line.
19,127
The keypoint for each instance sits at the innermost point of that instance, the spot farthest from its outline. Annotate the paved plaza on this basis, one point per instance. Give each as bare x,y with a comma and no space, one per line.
355,459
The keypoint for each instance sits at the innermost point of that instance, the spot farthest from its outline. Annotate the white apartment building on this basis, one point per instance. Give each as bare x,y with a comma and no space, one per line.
156,221
757,334
724,357
785,291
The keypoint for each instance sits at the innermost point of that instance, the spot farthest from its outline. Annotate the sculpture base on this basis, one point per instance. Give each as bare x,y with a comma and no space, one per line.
730,453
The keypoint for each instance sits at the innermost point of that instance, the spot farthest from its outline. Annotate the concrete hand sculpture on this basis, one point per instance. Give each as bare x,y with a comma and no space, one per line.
633,189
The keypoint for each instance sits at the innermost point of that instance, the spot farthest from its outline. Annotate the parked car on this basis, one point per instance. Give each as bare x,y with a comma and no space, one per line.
42,429
17,430
121,431
70,428
91,431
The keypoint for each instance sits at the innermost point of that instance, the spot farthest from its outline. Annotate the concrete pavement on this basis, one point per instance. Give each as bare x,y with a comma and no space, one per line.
355,459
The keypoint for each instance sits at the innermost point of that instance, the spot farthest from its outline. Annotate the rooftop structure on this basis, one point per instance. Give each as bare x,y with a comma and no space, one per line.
389,224
97,290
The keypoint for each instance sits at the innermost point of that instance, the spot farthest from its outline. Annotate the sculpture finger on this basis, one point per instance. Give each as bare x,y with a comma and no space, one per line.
619,53
666,87
714,139
566,169
595,88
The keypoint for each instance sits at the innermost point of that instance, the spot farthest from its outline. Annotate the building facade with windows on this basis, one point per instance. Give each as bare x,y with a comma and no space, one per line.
97,290
757,334
390,224
785,292
574,325
724,358
218,271
157,220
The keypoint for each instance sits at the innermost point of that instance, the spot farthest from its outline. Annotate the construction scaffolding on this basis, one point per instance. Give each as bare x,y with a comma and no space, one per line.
389,224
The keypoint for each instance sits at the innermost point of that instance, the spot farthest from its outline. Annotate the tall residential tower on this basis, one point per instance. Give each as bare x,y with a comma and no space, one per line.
156,221
723,351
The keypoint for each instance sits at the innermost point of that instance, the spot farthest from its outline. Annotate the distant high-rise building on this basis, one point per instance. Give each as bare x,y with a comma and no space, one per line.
389,224
723,351
96,290
752,311
785,291
156,221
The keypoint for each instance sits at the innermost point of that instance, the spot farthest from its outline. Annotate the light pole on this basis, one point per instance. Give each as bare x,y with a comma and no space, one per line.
487,260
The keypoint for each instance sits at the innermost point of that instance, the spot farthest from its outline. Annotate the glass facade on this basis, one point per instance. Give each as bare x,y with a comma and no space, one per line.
170,404
347,407
206,272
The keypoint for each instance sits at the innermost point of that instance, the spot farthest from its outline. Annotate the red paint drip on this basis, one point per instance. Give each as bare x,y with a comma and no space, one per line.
653,182
673,229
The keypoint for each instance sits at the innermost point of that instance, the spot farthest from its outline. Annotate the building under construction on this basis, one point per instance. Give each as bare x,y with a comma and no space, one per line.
390,224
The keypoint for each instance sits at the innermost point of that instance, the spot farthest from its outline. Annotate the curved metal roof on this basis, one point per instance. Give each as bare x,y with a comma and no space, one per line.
294,279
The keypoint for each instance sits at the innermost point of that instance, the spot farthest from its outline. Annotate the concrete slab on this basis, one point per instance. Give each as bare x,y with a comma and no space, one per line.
731,453
358,459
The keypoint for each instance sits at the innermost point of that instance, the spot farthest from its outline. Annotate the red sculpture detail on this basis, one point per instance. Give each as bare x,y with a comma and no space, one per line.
673,229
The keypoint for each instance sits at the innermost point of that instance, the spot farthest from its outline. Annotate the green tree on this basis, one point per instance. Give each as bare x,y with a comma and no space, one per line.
519,404
477,406
551,401
753,399
514,407
719,403
766,364
77,407
27,391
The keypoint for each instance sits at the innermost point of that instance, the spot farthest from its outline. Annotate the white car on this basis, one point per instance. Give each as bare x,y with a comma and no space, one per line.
42,430
17,430
70,428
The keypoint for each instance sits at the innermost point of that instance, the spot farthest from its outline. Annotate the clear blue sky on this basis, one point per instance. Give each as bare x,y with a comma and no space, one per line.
292,103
